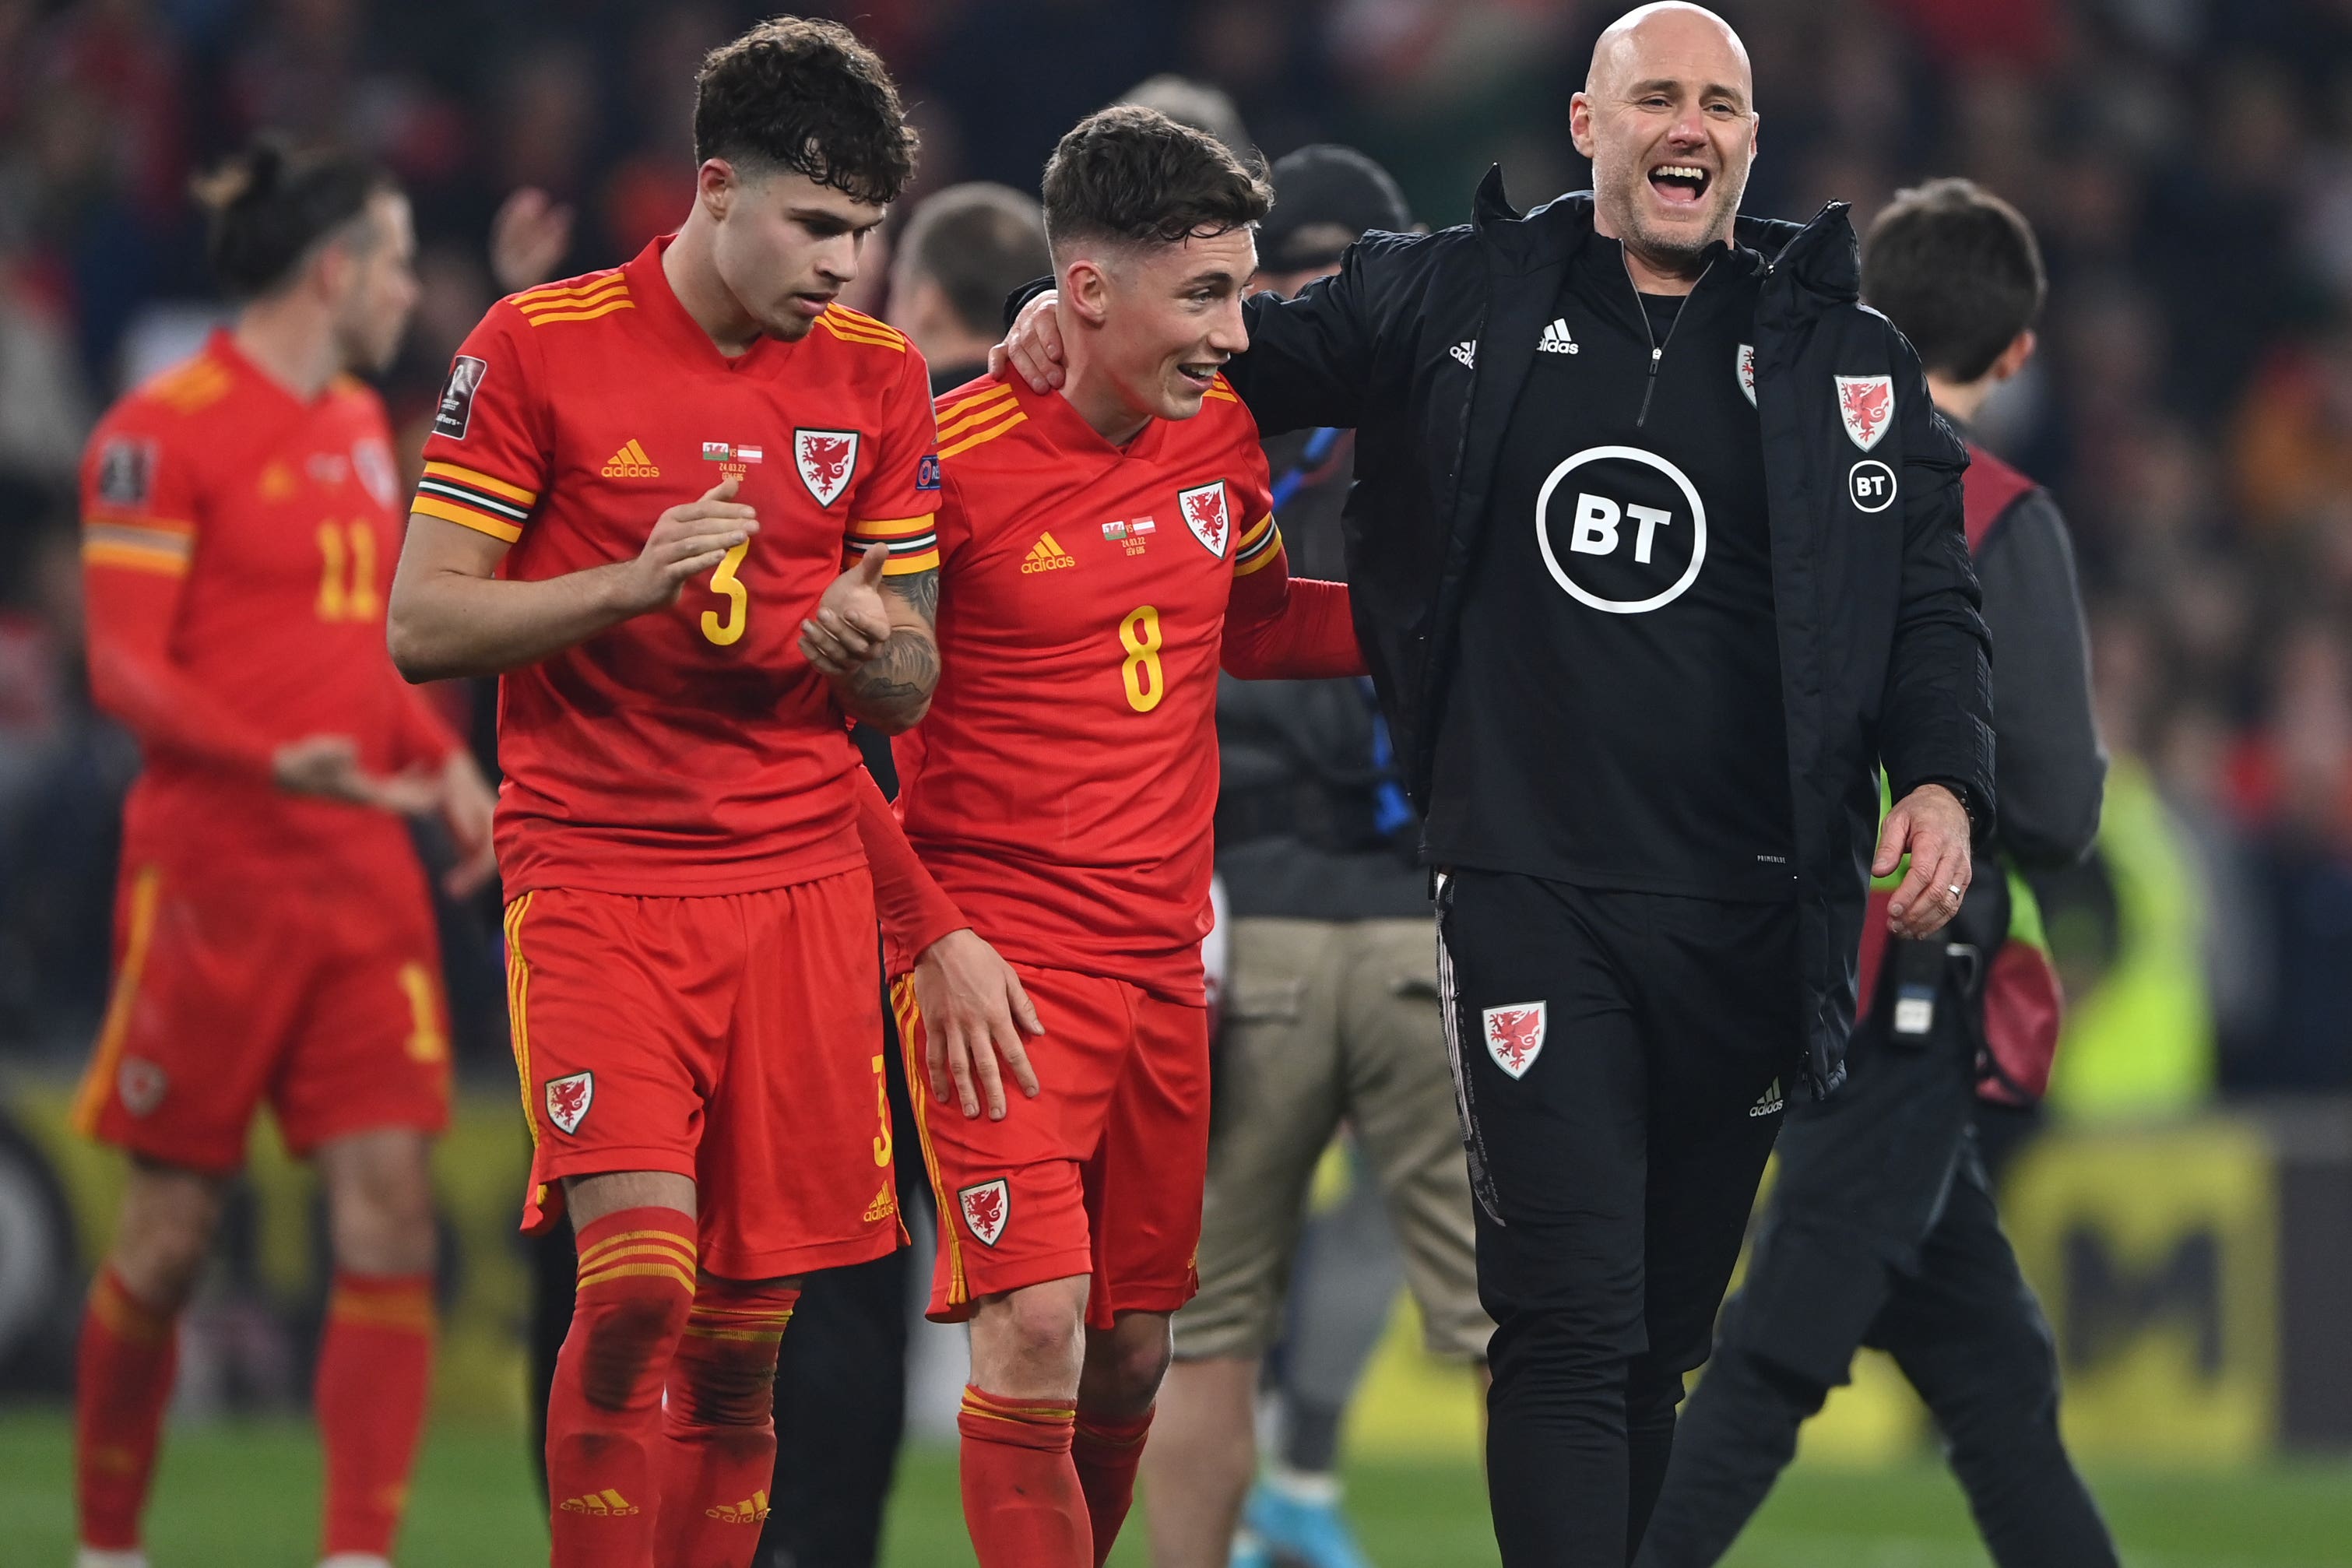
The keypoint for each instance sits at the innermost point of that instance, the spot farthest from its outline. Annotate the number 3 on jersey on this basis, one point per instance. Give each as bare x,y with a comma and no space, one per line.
1140,635
723,581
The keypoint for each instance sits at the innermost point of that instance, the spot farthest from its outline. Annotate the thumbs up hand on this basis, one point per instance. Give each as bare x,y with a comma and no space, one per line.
852,622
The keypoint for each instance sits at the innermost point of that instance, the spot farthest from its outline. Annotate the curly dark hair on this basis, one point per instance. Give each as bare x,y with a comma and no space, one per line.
1132,174
270,204
806,95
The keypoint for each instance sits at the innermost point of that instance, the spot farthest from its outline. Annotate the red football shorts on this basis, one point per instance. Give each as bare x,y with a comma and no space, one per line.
325,1002
735,1038
1100,1174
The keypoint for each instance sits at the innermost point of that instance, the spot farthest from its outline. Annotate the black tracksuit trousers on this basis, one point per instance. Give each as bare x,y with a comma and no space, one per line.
1881,1231
1615,1139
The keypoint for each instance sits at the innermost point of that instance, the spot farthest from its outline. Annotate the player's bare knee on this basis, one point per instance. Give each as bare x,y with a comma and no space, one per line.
1125,1367
383,1228
1030,1340
160,1264
380,1203
168,1219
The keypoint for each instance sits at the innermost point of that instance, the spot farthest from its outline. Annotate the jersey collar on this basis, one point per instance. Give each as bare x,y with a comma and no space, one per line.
1068,431
658,305
220,346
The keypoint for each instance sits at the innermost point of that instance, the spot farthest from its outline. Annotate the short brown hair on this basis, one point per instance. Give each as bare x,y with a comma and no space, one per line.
977,242
1132,174
807,96
1957,269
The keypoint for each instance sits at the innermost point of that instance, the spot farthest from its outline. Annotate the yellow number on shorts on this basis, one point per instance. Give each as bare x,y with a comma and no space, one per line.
1140,635
426,1043
347,587
882,1113
722,581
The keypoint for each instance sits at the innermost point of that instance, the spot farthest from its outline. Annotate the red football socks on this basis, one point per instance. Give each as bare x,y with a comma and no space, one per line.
604,1449
1022,1500
720,1426
375,1369
122,1380
1107,1450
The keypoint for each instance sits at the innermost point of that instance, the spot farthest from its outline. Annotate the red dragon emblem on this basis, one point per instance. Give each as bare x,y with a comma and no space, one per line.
1865,403
1203,506
826,459
1515,1036
568,1100
984,1210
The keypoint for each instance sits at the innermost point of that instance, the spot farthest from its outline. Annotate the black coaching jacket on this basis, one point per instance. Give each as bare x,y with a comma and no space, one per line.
1423,342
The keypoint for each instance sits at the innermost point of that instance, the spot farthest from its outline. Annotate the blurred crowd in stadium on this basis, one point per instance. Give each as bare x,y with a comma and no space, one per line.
2188,163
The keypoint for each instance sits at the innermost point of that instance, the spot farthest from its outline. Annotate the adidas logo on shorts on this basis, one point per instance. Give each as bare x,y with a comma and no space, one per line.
607,1503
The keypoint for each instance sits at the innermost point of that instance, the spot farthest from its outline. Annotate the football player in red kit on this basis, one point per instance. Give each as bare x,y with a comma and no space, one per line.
692,967
274,934
1103,549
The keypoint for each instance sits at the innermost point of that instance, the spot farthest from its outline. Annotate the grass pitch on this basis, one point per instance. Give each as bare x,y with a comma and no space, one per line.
246,1496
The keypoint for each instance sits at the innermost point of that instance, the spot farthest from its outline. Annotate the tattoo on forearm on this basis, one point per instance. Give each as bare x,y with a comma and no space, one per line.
921,589
897,680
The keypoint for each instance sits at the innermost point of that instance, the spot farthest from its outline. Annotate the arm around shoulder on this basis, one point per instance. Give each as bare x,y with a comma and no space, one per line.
1311,358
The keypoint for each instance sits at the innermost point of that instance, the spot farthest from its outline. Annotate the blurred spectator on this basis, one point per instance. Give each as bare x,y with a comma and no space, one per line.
1196,104
962,252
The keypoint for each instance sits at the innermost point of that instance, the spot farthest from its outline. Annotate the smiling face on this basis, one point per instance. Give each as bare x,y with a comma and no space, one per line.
1668,118
1157,321
783,244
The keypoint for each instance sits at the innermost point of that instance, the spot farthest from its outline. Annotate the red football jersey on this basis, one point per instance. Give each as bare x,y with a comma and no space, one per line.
238,543
1062,789
690,750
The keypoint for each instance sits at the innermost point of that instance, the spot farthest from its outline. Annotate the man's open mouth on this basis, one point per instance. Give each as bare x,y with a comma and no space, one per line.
1200,375
1680,184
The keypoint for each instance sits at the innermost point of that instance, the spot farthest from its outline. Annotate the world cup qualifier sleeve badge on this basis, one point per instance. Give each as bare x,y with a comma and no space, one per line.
1514,1035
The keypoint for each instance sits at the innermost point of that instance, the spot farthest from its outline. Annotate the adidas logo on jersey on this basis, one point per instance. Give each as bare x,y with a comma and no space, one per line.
750,1511
607,1504
630,463
1556,340
1466,352
1047,555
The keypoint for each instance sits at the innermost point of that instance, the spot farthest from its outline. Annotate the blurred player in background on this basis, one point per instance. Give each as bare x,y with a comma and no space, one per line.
274,932
1881,1229
1103,548
841,1379
694,982
1330,1017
